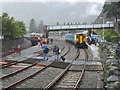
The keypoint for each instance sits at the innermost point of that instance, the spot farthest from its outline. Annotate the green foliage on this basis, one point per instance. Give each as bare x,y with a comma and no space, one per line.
112,9
108,34
20,28
12,28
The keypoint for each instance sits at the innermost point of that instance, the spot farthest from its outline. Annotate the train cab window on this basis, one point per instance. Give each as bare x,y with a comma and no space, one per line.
77,36
83,36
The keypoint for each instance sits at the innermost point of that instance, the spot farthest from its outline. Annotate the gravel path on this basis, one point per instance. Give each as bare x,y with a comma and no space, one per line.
42,79
71,55
19,76
13,69
91,80
9,70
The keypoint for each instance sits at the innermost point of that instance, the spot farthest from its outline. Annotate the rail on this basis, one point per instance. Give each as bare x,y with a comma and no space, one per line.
13,73
61,74
22,80
32,75
83,71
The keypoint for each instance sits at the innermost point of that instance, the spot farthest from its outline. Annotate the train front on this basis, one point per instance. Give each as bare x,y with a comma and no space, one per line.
80,40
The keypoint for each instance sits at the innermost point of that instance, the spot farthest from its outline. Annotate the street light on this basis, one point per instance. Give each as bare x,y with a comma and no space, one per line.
103,28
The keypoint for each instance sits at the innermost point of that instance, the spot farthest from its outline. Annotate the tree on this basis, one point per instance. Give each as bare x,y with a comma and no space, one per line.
10,27
32,26
40,27
108,33
20,28
57,23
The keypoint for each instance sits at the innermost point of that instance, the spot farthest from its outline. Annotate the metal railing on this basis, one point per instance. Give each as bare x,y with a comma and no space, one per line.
85,26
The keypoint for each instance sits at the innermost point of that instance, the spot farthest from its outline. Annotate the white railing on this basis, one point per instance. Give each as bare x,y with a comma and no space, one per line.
52,27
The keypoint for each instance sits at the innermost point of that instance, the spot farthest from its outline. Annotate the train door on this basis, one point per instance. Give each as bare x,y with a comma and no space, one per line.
81,38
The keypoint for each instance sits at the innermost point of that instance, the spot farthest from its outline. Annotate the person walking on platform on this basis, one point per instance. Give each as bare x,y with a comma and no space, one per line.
46,40
96,41
51,40
56,52
40,43
45,50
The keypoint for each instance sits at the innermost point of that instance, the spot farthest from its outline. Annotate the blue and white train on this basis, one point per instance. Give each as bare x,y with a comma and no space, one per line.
78,39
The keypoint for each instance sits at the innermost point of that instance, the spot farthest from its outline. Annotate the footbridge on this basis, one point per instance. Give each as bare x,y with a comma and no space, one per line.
79,27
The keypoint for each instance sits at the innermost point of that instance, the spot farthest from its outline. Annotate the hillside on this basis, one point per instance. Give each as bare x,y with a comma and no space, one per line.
110,11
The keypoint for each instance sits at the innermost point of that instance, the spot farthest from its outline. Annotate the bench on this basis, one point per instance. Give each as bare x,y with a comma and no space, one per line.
16,49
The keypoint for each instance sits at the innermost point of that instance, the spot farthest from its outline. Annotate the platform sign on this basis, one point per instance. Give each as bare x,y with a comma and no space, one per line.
95,36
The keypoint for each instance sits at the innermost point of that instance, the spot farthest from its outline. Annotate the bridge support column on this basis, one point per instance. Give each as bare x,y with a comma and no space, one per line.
46,32
89,32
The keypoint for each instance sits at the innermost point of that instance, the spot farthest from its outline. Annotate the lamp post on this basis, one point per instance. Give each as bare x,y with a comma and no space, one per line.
103,28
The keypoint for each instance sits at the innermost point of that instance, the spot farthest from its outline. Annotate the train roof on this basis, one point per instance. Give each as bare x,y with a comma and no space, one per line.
82,32
69,34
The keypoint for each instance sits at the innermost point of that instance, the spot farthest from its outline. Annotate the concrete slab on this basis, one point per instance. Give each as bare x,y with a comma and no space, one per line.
88,68
15,59
31,60
29,52
59,65
87,63
76,67
95,52
37,57
44,62
30,56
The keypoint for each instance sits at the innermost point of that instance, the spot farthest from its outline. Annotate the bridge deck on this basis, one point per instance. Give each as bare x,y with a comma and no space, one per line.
79,27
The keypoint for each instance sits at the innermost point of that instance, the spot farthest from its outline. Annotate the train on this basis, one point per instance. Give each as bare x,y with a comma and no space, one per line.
78,39
95,36
93,39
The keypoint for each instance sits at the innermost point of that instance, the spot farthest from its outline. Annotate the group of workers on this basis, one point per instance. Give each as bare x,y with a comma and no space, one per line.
56,50
45,41
92,41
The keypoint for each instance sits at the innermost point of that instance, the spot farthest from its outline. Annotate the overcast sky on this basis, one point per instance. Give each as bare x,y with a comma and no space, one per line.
53,11
99,1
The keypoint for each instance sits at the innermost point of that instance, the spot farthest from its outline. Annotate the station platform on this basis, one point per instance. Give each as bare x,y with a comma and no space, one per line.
95,52
31,55
26,53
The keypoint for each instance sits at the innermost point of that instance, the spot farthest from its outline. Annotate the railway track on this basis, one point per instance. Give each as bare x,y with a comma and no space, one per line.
18,71
25,78
9,64
70,79
16,62
66,79
13,74
62,74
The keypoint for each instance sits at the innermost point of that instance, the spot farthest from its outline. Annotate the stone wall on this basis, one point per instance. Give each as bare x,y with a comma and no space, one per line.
7,44
111,67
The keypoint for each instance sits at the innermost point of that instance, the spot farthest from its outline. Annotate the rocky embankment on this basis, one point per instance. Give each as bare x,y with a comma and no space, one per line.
111,66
